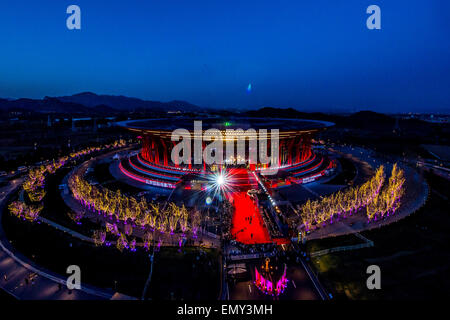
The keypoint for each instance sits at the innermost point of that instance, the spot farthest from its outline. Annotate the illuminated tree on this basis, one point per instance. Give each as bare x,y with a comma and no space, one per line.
184,219
128,228
132,245
148,240
347,202
196,221
99,237
112,228
174,216
388,200
76,216
125,208
122,242
17,208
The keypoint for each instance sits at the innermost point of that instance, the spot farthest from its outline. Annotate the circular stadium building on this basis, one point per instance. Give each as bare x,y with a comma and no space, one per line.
277,150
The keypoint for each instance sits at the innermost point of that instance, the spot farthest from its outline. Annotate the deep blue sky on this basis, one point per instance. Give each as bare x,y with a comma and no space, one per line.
311,55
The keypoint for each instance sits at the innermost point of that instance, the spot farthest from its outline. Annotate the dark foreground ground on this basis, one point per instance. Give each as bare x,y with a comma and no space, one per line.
190,273
413,255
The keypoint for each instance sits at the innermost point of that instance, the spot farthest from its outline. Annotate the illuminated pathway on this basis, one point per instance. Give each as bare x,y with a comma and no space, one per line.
247,224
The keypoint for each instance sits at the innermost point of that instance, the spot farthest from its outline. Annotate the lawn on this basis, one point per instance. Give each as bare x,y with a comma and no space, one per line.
56,210
347,174
101,172
317,245
188,275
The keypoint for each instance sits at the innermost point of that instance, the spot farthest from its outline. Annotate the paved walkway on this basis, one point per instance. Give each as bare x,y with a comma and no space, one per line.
67,230
248,226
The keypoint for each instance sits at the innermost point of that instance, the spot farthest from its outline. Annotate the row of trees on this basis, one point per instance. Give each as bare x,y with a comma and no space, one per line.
125,239
371,195
25,211
34,185
116,144
170,217
388,201
122,242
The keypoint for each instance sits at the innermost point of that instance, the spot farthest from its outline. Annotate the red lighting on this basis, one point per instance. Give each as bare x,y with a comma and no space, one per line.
267,287
247,224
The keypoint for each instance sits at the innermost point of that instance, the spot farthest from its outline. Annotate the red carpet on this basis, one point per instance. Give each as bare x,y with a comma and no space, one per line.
241,180
247,224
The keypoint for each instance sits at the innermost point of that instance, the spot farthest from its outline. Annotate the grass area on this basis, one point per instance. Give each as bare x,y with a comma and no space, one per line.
54,250
123,187
413,254
347,174
177,272
56,210
177,275
101,172
190,274
316,245
4,296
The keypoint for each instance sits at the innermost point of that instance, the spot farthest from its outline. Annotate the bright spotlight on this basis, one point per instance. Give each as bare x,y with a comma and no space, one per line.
220,180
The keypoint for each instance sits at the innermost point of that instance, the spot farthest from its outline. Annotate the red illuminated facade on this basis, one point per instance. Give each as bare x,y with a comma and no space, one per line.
297,162
294,148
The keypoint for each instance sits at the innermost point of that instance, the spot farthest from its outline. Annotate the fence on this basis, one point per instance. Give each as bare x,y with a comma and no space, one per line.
342,248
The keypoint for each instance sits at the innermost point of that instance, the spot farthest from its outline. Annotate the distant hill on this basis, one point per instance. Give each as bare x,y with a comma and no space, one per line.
50,105
366,120
269,112
371,116
91,103
124,103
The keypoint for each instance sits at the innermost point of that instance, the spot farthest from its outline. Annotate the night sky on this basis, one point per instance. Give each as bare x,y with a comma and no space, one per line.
310,55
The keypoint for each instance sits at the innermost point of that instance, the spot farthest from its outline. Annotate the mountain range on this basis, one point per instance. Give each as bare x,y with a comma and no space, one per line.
88,102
